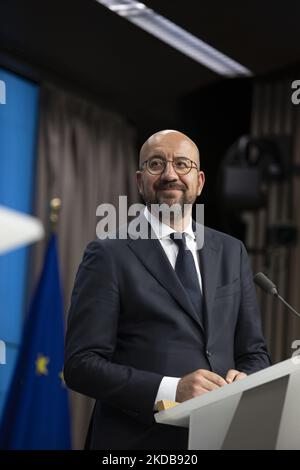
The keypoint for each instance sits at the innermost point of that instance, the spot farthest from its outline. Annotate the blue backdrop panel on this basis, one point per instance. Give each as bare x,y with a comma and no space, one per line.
18,132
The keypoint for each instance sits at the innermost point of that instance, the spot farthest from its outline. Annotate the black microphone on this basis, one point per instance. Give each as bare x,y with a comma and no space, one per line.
268,286
265,283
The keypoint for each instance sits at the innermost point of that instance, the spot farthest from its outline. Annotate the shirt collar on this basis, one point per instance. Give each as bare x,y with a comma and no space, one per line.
162,230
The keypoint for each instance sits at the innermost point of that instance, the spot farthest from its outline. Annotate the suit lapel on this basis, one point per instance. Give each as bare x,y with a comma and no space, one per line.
153,257
209,256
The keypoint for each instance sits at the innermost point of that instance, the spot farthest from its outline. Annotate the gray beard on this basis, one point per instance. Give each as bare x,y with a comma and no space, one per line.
184,199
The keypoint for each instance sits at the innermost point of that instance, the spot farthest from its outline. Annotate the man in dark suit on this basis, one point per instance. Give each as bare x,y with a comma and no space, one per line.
156,318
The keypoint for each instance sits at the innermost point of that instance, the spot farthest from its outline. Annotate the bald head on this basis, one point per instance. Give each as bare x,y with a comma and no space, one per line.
176,140
171,185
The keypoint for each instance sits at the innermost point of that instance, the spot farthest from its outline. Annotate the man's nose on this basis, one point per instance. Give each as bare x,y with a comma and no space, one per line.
169,173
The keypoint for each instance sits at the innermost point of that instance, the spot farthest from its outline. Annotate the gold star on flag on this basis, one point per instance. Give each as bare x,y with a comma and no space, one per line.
41,365
61,376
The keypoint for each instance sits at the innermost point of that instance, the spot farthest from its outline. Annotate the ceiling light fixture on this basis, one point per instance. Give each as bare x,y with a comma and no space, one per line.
177,37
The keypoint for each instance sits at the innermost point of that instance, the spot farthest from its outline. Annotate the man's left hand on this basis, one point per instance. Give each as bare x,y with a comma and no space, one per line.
234,375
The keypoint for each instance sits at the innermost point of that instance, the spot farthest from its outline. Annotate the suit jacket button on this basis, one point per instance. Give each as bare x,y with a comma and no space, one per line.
208,353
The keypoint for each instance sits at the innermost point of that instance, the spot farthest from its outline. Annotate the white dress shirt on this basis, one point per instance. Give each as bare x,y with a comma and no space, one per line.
168,386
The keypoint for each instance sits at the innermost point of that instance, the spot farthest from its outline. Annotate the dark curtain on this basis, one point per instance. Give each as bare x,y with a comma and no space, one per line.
86,156
274,114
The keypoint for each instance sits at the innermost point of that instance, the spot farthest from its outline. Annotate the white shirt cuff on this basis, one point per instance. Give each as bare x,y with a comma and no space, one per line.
167,389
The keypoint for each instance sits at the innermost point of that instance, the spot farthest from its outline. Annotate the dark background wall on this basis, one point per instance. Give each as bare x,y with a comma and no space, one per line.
215,117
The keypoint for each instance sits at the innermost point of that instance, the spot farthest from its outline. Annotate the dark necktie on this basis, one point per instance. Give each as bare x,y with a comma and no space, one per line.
186,271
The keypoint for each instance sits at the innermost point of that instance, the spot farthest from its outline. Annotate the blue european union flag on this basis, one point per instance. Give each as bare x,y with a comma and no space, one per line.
36,414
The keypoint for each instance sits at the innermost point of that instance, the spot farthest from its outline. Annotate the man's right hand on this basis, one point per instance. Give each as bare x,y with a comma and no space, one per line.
197,383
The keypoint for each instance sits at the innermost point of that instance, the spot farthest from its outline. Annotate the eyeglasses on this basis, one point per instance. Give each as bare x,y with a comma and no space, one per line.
157,165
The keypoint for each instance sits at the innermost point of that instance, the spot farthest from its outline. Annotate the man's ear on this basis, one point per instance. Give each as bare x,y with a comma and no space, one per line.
201,181
138,176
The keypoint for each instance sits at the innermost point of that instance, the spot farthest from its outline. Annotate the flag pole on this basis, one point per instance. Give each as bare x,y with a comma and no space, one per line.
55,206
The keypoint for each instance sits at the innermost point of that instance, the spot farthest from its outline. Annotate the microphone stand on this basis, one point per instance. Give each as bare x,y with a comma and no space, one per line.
285,303
269,287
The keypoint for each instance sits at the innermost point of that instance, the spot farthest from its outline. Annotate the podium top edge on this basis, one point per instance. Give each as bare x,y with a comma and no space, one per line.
180,413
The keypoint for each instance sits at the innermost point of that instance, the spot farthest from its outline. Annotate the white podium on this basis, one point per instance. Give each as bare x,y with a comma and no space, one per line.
261,411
